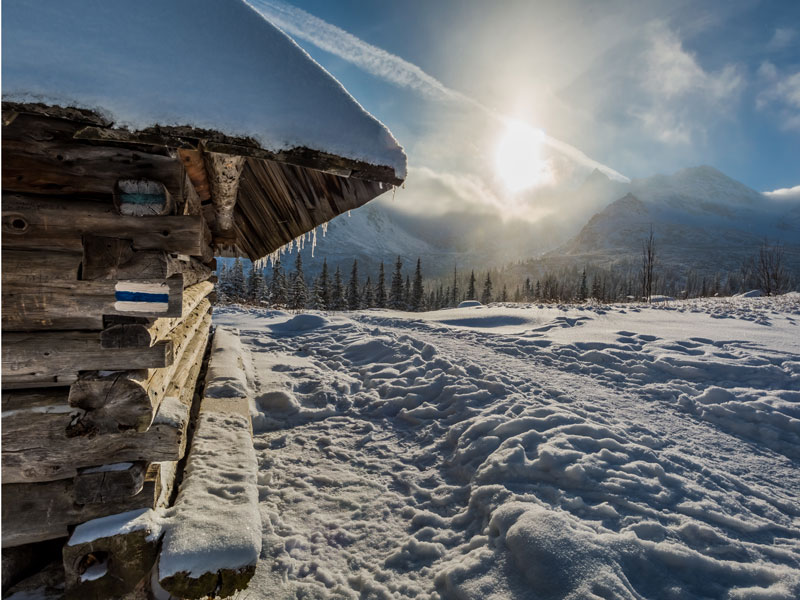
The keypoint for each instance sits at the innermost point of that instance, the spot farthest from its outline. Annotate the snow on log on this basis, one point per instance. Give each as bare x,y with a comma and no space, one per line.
214,538
111,556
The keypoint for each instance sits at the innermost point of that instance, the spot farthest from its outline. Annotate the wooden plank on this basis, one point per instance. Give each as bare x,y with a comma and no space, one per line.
115,258
63,304
38,158
29,357
109,483
45,443
59,224
46,584
126,335
130,398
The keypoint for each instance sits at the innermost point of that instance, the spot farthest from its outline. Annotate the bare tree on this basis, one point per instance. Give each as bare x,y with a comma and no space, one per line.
770,270
648,264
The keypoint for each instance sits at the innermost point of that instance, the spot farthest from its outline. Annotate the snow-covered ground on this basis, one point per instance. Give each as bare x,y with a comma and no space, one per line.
623,451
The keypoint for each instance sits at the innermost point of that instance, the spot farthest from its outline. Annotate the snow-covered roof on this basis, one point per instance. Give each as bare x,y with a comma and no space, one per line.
204,64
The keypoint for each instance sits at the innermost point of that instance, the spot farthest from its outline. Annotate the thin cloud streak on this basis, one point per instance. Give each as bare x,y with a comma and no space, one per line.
389,67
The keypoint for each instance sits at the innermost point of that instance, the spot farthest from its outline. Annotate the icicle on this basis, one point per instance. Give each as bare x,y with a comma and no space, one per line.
348,214
313,241
324,228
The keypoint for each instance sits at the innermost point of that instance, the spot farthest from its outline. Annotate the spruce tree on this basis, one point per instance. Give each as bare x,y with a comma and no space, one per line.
337,292
396,290
380,290
486,296
277,287
316,300
237,281
407,294
583,291
325,286
367,294
471,288
454,299
504,294
299,291
353,298
417,291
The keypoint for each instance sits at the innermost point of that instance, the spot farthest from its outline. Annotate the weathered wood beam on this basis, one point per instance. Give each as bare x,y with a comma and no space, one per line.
63,304
42,443
34,512
111,557
39,158
115,258
196,171
108,483
131,398
21,266
223,422
127,335
224,171
29,358
59,224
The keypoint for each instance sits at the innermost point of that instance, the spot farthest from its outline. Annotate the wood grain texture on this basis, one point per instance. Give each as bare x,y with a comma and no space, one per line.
64,304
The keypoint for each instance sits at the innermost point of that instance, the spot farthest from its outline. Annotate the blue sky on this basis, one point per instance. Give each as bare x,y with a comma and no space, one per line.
641,87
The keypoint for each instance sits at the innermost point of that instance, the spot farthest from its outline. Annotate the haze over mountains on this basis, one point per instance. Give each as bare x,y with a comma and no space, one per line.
701,218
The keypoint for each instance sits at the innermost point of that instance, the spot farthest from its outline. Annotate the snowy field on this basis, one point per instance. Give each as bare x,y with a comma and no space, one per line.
622,451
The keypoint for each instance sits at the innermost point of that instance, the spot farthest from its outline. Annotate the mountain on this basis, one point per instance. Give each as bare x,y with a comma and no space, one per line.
701,218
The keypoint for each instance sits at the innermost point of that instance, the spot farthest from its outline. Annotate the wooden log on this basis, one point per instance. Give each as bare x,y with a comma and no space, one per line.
128,334
39,158
44,444
115,258
131,398
108,483
31,266
142,198
196,171
34,512
30,359
59,224
112,556
46,584
63,304
224,171
211,460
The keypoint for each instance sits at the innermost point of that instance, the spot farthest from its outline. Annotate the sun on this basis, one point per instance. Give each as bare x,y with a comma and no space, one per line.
518,160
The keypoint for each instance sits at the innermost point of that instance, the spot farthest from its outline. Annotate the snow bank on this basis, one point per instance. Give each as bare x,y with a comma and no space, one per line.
226,377
140,63
629,451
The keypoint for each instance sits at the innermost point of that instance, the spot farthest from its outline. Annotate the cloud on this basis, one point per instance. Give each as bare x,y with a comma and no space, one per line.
782,38
780,95
389,67
679,95
785,194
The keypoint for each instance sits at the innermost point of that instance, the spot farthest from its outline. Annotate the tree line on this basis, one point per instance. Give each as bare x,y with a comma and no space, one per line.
409,291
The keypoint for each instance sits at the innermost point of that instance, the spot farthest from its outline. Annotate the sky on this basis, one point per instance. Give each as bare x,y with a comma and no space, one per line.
633,88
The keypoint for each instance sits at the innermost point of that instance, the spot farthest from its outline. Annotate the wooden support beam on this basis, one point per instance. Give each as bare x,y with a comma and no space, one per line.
40,158
62,304
112,556
196,171
222,444
59,224
115,258
30,359
224,171
109,483
31,266
44,442
130,334
131,398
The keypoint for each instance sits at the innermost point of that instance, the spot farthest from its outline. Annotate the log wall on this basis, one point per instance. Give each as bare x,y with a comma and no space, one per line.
106,315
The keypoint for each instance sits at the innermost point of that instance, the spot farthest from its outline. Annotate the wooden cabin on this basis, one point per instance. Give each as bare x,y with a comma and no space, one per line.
109,234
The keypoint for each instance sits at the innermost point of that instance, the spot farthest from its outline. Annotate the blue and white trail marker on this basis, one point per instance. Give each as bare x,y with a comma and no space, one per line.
134,296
